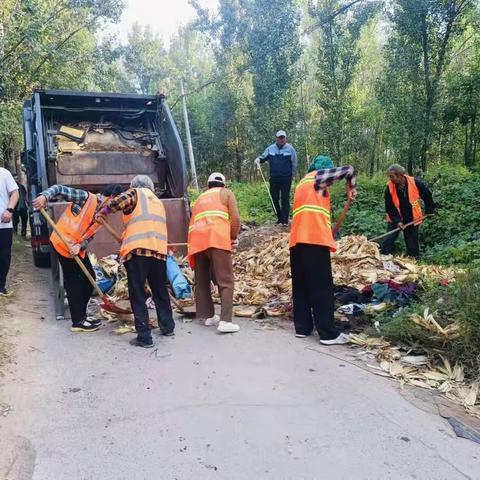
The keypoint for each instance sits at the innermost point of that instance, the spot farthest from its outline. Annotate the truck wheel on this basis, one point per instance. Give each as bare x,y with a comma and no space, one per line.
58,288
41,260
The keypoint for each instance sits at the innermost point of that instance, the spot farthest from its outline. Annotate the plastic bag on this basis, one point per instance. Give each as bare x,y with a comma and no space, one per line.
180,286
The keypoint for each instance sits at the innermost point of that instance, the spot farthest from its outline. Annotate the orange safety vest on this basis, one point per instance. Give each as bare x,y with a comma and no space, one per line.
146,226
311,215
73,227
209,225
413,198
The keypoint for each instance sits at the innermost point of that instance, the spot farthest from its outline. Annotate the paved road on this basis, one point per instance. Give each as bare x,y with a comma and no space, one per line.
259,404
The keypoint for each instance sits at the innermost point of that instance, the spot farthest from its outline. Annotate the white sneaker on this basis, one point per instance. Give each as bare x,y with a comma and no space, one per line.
299,335
342,339
228,327
212,321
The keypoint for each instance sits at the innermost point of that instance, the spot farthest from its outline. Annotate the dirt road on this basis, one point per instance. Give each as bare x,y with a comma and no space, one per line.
259,404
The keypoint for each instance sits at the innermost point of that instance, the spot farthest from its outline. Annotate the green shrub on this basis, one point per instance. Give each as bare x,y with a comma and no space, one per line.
458,302
451,237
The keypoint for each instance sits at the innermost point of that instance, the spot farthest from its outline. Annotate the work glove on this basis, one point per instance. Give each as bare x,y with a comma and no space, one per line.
257,162
234,245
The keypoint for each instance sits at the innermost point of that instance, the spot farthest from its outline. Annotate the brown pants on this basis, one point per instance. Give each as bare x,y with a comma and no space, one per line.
217,263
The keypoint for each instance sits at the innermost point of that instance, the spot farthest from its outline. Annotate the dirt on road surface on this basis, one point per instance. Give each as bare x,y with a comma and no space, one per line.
259,404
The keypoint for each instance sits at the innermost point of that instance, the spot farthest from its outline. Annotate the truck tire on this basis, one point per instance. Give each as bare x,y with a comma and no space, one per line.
58,287
41,260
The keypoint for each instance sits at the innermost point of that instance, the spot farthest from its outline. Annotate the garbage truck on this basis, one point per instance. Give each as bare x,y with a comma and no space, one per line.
88,140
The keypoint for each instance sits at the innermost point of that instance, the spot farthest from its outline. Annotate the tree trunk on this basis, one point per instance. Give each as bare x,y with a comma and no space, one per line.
465,147
373,152
238,157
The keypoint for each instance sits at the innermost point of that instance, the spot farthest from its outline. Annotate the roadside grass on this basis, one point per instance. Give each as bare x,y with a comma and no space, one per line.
455,303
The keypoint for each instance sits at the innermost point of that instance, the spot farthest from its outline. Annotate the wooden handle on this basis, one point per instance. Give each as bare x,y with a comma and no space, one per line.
117,237
341,217
374,239
80,263
111,231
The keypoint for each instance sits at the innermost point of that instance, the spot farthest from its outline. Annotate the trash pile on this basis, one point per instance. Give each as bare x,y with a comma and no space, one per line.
420,370
262,272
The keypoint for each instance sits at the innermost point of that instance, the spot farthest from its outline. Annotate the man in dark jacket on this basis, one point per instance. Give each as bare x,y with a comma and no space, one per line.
21,210
402,205
282,158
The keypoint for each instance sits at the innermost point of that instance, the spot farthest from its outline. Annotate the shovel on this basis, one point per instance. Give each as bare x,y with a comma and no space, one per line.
117,237
268,189
107,304
341,218
374,239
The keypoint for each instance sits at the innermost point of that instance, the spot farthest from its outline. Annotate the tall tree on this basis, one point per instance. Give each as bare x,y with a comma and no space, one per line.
340,26
424,30
145,59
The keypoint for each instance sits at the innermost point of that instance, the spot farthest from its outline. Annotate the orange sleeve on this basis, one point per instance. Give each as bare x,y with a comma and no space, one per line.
229,200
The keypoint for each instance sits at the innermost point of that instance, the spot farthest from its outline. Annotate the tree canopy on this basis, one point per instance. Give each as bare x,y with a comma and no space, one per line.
368,82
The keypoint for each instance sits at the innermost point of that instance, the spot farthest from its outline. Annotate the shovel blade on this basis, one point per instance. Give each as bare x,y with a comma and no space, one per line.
112,308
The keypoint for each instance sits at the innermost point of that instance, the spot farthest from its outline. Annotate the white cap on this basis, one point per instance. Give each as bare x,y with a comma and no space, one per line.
281,133
216,177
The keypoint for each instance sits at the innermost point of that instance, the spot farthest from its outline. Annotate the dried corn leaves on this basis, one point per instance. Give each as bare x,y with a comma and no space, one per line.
421,371
262,272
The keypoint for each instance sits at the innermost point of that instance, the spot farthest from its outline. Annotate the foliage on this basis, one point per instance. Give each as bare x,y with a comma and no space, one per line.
338,57
451,237
457,302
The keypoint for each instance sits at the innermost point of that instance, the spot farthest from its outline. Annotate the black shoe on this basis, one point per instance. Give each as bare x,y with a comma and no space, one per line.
94,321
137,343
171,333
84,327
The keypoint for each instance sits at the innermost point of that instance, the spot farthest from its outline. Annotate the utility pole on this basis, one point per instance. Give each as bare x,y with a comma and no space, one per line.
189,138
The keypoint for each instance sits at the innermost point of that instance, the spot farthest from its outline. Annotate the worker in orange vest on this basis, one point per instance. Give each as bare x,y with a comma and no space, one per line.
311,242
402,204
77,226
144,253
213,230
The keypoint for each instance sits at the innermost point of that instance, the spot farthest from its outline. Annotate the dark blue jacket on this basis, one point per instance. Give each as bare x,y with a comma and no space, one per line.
282,160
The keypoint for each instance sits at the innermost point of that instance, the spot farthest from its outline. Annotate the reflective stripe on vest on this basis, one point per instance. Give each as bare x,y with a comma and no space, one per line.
73,227
413,199
209,225
146,226
311,223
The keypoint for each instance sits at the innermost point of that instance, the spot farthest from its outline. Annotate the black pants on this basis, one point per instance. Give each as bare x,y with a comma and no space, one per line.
312,288
78,288
280,190
23,216
6,235
410,235
139,270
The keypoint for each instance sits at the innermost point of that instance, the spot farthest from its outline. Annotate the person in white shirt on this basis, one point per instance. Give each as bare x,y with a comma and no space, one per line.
8,200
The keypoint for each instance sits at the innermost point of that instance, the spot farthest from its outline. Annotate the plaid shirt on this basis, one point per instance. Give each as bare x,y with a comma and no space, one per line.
76,196
326,178
126,202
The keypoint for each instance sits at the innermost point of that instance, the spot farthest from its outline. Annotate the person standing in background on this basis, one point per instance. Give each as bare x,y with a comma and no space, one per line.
21,210
282,158
8,201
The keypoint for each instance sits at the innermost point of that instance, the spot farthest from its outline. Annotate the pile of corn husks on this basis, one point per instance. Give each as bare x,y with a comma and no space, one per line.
262,272
422,371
